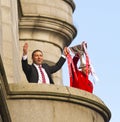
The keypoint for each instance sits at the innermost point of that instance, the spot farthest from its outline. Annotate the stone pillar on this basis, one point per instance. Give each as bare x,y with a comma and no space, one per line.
47,26
9,44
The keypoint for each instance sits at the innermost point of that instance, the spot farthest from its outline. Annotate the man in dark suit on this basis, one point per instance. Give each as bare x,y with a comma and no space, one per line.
33,73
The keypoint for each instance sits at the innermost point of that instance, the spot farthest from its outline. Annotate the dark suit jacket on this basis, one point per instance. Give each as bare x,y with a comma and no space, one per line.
32,73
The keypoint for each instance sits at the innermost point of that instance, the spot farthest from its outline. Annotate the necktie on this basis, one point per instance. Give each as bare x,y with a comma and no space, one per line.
42,74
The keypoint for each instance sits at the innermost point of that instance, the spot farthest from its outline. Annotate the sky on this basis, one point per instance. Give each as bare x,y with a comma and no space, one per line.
98,23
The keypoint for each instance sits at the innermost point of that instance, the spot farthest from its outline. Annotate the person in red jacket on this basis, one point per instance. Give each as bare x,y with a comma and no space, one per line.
82,73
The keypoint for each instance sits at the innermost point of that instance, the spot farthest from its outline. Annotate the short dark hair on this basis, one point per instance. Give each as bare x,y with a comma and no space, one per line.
35,52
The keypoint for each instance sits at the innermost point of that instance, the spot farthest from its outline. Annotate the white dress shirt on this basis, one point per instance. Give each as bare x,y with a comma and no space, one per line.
40,75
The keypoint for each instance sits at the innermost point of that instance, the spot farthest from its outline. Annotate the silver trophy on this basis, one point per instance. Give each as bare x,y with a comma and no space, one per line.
78,49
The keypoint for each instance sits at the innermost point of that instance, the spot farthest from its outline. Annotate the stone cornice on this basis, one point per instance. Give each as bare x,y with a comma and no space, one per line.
48,21
55,25
71,3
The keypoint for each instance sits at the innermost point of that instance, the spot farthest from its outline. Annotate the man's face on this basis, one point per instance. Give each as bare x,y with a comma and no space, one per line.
37,57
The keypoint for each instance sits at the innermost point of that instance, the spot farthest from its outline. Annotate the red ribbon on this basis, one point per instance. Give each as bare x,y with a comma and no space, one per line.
70,67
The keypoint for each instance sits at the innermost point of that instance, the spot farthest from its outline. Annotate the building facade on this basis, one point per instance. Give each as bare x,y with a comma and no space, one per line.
45,25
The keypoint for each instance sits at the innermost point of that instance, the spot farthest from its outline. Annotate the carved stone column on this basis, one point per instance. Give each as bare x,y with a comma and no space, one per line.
9,44
47,26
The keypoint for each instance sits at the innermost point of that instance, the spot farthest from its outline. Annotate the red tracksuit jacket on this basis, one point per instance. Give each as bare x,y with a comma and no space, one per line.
82,81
